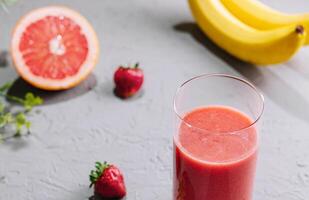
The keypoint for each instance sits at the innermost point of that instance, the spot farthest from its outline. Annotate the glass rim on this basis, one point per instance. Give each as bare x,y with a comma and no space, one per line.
260,95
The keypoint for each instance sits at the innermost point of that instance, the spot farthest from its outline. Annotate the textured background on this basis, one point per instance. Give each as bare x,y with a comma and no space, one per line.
77,127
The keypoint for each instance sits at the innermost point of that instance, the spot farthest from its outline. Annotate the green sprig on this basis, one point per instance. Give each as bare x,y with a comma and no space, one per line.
31,101
17,119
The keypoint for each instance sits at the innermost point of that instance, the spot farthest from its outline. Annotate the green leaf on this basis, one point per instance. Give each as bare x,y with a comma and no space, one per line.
1,107
2,121
31,101
20,118
5,119
28,125
6,86
20,121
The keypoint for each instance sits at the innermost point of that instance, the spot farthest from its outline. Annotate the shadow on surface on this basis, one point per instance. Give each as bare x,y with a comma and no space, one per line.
4,58
20,88
107,90
136,96
97,197
16,143
299,65
271,84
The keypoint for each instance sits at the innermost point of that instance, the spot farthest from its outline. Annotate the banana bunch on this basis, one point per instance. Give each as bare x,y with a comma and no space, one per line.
250,30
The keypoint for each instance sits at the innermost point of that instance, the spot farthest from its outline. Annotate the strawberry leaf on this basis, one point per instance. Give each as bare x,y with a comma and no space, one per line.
97,173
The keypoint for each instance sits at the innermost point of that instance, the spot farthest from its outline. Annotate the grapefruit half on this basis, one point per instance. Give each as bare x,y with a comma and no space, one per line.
54,48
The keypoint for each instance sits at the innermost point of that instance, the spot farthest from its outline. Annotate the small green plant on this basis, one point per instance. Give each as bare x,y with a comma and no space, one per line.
18,118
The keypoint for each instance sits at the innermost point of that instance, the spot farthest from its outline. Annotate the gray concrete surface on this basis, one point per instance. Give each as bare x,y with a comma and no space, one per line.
78,127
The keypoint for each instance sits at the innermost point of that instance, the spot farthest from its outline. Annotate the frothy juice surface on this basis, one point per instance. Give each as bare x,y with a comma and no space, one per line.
215,155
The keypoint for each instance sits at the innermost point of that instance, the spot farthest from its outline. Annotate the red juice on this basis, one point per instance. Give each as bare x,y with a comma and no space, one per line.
215,155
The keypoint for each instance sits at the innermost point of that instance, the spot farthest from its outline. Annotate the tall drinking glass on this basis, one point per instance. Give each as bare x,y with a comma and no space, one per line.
216,138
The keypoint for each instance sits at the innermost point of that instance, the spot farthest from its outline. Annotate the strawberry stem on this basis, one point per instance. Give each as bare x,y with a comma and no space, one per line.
136,65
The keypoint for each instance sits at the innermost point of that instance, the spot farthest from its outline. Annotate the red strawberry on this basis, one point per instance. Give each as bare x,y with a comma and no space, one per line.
108,181
128,81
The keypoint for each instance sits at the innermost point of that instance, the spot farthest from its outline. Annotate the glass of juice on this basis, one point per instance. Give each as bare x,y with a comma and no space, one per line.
216,138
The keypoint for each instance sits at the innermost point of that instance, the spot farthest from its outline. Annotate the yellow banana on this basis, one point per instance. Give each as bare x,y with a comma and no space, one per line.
243,41
260,16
